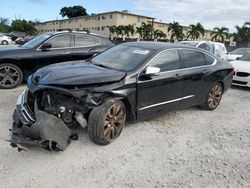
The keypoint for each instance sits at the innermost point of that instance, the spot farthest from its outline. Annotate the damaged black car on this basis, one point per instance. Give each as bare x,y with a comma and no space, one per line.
128,82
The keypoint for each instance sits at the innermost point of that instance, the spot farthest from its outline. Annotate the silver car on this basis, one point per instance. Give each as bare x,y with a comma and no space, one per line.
216,48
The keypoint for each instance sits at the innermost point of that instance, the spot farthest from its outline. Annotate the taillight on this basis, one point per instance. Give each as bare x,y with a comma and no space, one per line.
231,70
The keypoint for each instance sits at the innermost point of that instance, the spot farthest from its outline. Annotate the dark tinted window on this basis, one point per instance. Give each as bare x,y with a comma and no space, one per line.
167,60
204,46
193,58
245,57
209,60
86,40
61,41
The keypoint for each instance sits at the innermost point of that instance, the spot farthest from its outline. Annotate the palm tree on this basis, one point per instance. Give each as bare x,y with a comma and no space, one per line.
219,34
196,31
243,33
147,30
176,31
129,29
159,34
132,29
112,30
139,30
120,30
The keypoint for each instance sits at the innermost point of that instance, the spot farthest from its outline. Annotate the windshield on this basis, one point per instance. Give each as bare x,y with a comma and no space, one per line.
245,57
122,57
36,41
240,51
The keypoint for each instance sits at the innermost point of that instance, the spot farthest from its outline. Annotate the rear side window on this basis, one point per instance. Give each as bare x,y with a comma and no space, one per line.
166,61
193,58
61,41
208,60
204,46
86,40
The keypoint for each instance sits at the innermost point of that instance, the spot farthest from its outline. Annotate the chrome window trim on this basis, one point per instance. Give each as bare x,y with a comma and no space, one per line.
70,47
214,63
166,102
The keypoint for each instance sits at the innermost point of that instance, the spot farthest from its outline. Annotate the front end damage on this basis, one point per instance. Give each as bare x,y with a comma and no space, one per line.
51,116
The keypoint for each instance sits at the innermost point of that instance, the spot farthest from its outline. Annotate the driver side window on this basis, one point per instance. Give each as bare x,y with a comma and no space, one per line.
166,60
61,41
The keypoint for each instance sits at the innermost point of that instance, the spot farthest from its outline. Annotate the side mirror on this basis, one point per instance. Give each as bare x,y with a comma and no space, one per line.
152,71
46,46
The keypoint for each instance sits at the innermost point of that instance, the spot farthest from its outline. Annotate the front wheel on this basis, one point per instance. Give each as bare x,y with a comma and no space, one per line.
106,121
11,76
4,42
213,97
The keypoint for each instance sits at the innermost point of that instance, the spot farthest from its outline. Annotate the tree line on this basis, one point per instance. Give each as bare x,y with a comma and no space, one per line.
22,25
195,31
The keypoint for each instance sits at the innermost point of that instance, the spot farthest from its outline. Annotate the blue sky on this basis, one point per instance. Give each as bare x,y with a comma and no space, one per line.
210,13
44,10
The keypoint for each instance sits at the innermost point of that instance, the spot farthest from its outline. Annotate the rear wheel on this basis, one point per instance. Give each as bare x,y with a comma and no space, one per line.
11,76
4,42
213,97
106,121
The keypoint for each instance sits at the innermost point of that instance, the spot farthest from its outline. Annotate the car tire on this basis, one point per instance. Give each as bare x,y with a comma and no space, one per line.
106,121
5,42
213,97
11,76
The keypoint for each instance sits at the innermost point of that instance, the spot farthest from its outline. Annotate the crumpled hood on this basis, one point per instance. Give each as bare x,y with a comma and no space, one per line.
75,73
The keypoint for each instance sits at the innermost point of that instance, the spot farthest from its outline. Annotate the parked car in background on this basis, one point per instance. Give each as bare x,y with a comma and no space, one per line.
242,71
237,53
17,63
21,40
216,48
130,81
5,40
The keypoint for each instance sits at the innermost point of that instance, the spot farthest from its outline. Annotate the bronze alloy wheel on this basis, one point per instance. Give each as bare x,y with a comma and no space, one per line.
214,96
114,121
9,76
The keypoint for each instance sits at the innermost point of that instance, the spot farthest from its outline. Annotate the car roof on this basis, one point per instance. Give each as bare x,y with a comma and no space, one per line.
66,31
156,45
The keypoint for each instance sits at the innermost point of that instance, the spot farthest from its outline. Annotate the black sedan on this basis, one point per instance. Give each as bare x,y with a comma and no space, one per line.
17,63
131,81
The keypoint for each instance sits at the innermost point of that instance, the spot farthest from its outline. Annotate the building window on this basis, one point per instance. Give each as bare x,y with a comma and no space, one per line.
111,16
98,18
103,28
103,17
124,16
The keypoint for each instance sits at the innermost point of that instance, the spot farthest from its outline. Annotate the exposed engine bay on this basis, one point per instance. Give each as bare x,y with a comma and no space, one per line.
51,117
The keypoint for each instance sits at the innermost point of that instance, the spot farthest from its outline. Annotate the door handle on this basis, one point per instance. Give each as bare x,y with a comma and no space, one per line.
65,53
178,76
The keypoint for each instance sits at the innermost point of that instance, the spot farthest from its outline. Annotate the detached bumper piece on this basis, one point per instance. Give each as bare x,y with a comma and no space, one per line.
39,128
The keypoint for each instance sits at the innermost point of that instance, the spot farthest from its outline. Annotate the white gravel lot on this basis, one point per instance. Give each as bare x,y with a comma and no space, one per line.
187,148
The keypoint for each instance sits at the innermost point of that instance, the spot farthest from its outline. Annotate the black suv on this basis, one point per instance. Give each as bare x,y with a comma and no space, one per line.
17,63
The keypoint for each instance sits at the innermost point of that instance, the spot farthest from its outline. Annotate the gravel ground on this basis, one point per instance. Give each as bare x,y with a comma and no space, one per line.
188,148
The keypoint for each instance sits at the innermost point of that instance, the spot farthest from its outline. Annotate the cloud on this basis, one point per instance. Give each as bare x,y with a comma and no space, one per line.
210,13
